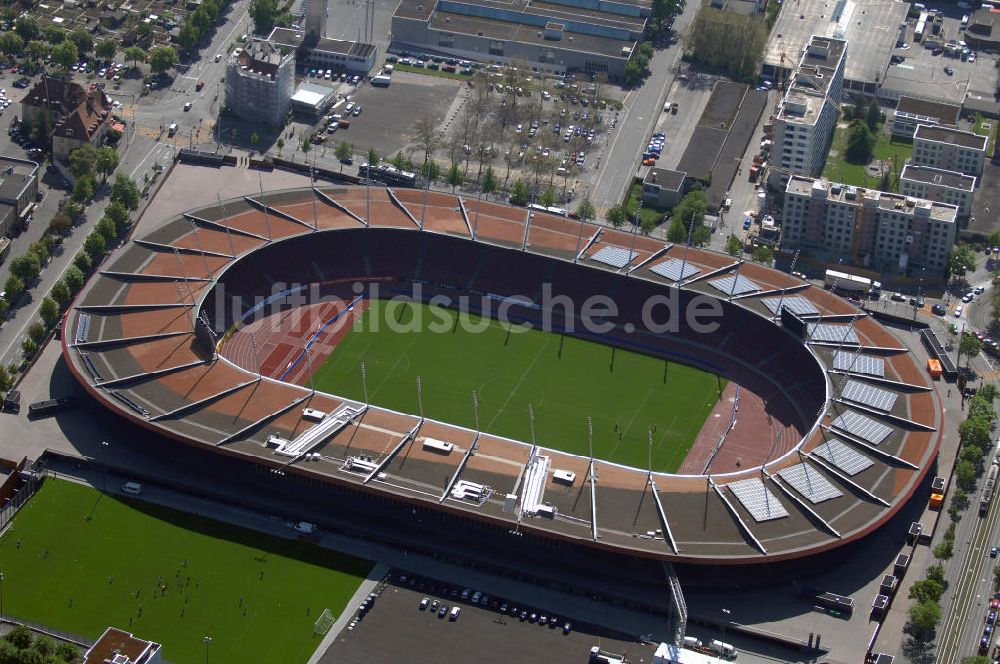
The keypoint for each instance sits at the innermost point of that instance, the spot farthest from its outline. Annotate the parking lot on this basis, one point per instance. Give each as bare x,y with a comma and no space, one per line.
921,71
396,629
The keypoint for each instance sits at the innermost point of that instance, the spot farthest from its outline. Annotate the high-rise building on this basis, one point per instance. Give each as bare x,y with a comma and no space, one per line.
936,184
804,123
260,81
874,229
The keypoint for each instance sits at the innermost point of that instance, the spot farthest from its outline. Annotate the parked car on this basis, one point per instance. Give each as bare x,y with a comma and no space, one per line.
938,310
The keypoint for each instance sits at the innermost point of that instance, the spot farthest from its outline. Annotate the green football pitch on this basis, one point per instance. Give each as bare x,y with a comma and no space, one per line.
79,561
564,379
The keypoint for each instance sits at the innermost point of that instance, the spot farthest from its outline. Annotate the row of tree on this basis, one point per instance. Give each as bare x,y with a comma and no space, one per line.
727,41
20,646
198,24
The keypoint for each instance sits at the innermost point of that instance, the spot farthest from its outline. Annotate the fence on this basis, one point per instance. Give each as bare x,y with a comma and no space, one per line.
33,480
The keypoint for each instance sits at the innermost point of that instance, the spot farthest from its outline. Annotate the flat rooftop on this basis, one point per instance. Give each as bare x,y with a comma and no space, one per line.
964,139
940,112
850,195
665,178
869,26
294,38
15,175
525,34
939,177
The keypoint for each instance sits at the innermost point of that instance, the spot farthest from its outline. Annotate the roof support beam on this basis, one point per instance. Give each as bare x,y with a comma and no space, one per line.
410,435
267,209
844,478
150,375
801,503
399,204
736,515
461,467
663,517
216,226
159,246
262,421
200,403
334,204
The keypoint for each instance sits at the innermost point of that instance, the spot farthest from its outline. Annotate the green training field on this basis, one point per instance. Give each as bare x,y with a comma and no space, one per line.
84,556
563,378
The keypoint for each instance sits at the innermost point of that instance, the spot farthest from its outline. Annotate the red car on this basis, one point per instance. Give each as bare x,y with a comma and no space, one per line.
199,86
995,603
15,68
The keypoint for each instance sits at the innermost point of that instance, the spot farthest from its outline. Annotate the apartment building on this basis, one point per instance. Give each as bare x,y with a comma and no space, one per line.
804,123
949,149
936,184
873,229
260,81
910,112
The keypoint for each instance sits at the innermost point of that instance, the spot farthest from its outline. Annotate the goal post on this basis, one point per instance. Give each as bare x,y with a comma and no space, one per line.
324,622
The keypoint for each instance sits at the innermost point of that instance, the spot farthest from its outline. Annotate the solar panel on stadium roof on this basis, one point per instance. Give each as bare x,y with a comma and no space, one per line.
832,333
737,285
671,269
843,456
614,256
798,305
858,363
863,427
869,395
757,499
808,482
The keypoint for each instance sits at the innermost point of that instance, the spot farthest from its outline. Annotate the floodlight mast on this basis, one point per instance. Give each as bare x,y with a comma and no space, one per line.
225,222
420,399
475,409
364,383
263,201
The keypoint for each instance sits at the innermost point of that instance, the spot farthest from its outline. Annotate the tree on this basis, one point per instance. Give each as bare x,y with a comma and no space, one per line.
106,49
13,287
454,176
549,197
994,239
519,193
19,637
82,161
11,43
961,260
65,54
37,50
763,254
135,55
84,189
926,590
106,161
401,162
965,474
49,311
970,347
188,37
26,28
677,233
53,34
95,246
728,42
430,170
162,58
30,348
860,144
281,145
586,210
491,183
733,246
305,147
343,152
26,266
106,227
61,294
874,115
254,139
118,213
67,652
924,617
691,209
83,262
374,158
976,659
263,13
936,573
5,379
74,279
615,215
125,191
84,42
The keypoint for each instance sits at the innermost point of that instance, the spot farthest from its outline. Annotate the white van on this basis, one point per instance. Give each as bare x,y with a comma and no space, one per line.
172,129
306,527
133,488
453,616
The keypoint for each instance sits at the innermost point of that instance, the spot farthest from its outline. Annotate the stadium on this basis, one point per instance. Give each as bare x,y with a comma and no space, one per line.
794,425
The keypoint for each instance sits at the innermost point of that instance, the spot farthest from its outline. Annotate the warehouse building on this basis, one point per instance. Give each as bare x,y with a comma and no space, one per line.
555,38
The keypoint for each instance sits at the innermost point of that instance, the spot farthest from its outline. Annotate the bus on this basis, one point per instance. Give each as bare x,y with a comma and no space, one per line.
989,487
918,33
852,283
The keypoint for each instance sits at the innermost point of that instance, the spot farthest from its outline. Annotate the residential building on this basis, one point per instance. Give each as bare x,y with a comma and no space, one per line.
552,37
662,187
910,112
260,81
949,149
119,647
807,115
939,185
78,117
873,229
334,54
18,192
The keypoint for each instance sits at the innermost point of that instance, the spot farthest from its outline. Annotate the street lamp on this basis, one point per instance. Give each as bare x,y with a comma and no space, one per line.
1,595
104,446
726,613
208,642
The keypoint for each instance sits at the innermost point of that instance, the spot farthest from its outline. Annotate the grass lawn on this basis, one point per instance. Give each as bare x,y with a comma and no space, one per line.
84,555
431,72
838,170
564,380
986,127
648,215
